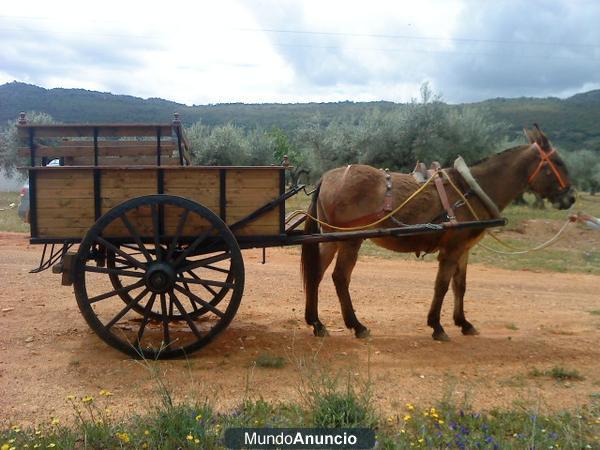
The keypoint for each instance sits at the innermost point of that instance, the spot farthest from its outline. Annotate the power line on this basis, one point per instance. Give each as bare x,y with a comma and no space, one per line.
419,38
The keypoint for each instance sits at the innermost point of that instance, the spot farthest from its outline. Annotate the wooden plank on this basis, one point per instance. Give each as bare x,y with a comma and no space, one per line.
62,232
66,222
60,202
85,130
76,148
44,213
124,161
118,179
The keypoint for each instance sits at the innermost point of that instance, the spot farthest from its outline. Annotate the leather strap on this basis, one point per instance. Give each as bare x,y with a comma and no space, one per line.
439,184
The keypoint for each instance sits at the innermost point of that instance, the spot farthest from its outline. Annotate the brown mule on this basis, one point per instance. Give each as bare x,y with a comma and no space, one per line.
354,195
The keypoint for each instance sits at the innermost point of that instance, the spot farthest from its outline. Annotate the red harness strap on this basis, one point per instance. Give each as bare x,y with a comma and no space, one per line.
545,159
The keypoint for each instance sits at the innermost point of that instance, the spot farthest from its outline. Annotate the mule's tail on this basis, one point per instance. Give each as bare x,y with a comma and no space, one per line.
311,262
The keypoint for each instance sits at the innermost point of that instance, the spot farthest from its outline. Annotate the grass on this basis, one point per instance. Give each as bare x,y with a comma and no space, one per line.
512,326
595,312
9,218
327,401
269,361
558,373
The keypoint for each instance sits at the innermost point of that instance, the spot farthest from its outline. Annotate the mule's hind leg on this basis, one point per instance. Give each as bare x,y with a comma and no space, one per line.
311,313
459,286
346,260
446,269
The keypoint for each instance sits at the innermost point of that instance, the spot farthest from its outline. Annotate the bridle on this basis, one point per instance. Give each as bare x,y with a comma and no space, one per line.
545,160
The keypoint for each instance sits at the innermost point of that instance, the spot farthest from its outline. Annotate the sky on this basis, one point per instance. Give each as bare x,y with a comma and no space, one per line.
289,51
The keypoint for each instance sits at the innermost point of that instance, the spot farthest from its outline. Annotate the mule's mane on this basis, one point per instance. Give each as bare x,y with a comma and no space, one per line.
493,155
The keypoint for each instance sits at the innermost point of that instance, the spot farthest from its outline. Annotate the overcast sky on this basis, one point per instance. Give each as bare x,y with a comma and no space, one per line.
200,52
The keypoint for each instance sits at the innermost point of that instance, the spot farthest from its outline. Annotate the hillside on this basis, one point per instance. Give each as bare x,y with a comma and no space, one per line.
571,123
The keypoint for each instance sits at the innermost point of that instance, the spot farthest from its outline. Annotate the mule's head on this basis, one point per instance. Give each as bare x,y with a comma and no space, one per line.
548,175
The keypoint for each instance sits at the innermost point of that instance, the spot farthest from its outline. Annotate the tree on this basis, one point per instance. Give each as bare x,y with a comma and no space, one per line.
9,142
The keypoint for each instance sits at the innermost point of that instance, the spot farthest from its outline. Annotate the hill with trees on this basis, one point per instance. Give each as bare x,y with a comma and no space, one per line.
571,123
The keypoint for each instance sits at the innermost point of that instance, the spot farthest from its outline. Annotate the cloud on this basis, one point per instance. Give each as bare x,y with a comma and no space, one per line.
542,48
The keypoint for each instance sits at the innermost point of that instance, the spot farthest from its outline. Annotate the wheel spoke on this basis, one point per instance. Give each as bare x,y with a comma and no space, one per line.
192,247
208,288
115,271
136,236
116,291
116,249
193,303
126,308
165,320
205,262
188,319
198,300
156,231
178,232
146,317
205,282
216,269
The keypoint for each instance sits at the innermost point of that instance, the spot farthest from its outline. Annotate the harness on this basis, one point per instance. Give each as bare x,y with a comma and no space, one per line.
545,160
437,174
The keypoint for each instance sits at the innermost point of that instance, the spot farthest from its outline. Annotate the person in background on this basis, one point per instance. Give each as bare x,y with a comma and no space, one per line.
586,219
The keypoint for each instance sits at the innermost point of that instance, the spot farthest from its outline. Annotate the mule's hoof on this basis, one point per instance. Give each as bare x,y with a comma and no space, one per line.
320,331
470,330
440,336
362,333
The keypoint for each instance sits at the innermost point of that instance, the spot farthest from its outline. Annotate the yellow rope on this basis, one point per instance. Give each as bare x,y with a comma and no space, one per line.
362,227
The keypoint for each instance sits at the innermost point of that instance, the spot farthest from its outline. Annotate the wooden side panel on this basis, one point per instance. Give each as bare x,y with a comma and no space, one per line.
65,202
247,190
118,186
200,186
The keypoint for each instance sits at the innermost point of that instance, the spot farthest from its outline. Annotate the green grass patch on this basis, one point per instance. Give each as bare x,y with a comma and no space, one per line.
558,373
595,312
269,361
512,326
9,218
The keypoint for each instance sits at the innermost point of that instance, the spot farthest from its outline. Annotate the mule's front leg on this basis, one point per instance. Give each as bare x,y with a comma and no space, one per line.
459,287
446,269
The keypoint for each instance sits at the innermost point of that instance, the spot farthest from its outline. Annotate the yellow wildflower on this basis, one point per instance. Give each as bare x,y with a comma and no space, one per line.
51,444
198,417
123,437
37,445
146,432
87,399
410,406
105,393
5,447
55,421
145,445
407,417
16,428
189,437
441,422
70,397
196,441
425,413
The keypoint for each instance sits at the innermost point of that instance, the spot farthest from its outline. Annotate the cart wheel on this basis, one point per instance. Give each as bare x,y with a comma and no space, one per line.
176,266
114,262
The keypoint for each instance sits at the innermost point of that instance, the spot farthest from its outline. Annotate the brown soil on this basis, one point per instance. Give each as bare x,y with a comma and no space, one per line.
47,351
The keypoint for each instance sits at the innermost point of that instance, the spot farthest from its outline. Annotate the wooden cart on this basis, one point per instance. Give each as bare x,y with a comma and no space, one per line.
158,271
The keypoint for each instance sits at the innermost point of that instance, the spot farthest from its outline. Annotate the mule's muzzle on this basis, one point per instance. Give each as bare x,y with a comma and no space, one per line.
565,198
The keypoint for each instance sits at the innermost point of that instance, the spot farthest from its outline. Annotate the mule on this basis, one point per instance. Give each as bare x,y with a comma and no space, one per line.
353,196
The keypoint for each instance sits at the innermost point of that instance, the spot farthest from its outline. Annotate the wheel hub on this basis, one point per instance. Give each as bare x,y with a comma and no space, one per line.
160,278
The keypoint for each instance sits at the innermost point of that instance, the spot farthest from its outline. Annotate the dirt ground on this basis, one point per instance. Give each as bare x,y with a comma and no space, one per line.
527,320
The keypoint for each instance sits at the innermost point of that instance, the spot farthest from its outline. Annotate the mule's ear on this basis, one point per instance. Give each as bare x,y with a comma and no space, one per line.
541,138
528,136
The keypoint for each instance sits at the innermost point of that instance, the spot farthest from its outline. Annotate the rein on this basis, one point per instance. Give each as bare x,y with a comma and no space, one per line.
545,160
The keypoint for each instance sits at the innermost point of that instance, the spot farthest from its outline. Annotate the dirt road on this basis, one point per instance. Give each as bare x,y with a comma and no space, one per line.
527,320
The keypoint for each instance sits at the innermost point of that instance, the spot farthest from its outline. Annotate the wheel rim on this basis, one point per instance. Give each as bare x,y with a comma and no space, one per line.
175,276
